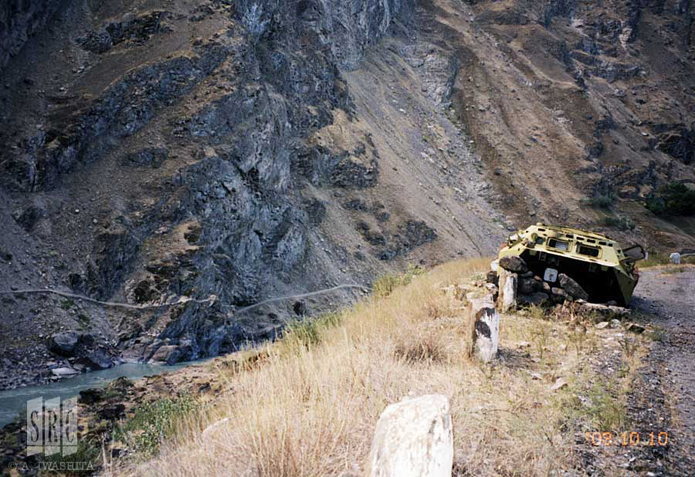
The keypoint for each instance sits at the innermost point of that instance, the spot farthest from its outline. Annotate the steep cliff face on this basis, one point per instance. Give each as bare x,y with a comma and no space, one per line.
227,152
20,19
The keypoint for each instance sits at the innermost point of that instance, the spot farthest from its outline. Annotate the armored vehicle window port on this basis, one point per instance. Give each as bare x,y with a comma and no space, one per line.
558,244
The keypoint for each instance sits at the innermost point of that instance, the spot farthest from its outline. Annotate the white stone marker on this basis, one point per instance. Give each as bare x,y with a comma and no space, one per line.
508,286
484,328
414,438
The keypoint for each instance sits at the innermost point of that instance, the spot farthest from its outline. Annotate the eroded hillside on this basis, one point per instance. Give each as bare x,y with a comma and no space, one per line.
234,151
224,151
578,103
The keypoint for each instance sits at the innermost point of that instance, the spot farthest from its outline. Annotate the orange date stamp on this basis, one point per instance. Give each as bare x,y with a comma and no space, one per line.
650,439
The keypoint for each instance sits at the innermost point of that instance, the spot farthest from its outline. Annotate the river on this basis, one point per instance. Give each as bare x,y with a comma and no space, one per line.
13,402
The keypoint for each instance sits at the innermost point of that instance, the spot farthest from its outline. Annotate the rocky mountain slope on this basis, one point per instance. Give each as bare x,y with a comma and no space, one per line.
234,151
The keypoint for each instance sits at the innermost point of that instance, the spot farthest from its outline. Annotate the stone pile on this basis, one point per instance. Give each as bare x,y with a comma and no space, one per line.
517,286
520,286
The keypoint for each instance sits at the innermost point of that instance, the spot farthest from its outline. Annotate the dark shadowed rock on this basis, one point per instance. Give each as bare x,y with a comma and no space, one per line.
20,20
63,343
513,264
537,298
529,285
492,277
95,360
111,413
90,396
572,288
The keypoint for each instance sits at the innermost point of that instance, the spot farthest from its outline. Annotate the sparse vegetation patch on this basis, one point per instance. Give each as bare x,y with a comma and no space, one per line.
674,199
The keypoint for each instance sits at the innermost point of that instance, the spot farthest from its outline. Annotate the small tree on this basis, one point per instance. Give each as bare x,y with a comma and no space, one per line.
673,199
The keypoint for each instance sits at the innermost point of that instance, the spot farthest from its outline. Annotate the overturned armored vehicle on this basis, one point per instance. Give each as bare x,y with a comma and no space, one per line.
597,263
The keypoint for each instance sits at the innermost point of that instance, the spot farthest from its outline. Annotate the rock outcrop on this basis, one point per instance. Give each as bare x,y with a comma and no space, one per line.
224,153
20,19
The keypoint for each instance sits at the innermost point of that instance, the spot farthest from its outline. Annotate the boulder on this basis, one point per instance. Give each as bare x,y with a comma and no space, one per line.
90,396
63,343
537,298
572,288
413,438
165,354
96,360
528,286
508,285
635,328
64,372
495,266
604,310
560,293
514,264
111,412
492,277
86,339
484,328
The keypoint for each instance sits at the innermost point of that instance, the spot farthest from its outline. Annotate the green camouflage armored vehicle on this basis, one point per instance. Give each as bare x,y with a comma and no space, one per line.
602,268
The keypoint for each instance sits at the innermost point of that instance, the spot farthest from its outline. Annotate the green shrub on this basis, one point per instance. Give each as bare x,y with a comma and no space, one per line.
152,423
306,333
620,222
602,201
606,408
385,284
673,199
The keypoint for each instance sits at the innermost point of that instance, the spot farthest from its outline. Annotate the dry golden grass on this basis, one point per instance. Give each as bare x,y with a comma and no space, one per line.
309,405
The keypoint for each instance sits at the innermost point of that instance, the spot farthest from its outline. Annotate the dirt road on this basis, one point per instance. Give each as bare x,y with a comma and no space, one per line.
668,296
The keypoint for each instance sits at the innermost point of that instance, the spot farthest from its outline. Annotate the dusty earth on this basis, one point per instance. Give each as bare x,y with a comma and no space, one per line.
661,397
668,294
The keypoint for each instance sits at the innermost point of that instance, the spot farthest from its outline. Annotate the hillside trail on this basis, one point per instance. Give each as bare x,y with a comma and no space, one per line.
668,296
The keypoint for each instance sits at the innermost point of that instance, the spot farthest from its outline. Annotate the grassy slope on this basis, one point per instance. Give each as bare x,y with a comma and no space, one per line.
307,405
